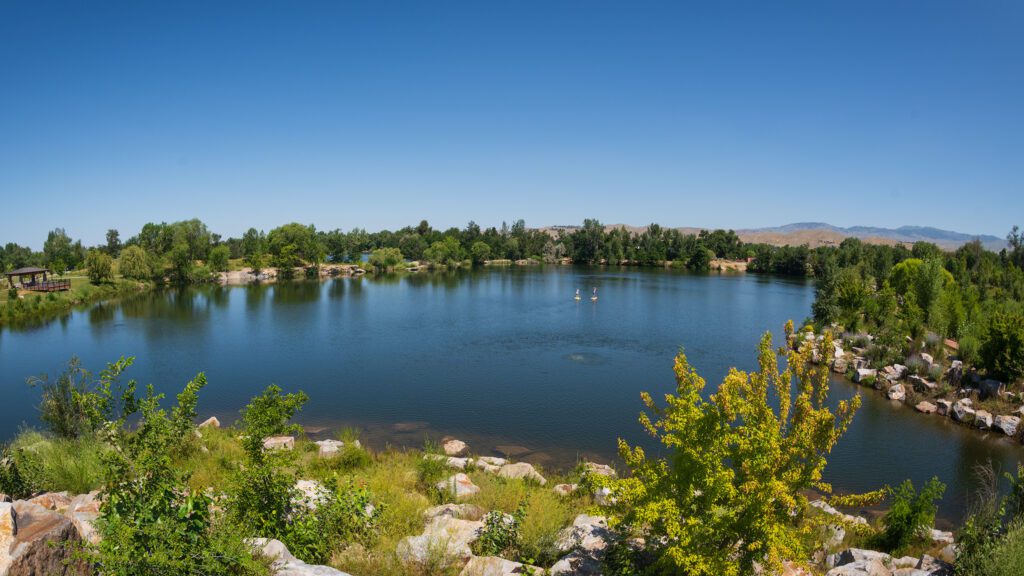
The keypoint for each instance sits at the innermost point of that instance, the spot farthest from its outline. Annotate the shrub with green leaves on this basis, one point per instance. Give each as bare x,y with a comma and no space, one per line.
501,534
991,542
76,405
151,522
911,513
268,415
264,502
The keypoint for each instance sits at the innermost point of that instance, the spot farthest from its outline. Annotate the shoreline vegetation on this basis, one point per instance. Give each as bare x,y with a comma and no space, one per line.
888,303
121,481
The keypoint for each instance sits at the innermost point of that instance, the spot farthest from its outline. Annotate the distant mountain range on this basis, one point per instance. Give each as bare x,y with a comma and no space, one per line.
816,234
943,238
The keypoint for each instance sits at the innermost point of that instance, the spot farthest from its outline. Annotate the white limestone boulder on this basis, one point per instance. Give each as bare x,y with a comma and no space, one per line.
458,486
1007,424
451,536
896,392
523,471
329,448
211,422
279,443
455,447
495,566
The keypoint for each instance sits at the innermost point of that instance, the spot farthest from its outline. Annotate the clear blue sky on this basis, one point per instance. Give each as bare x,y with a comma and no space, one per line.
378,114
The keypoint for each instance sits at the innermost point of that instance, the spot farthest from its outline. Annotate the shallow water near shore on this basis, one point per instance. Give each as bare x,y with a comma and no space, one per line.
502,358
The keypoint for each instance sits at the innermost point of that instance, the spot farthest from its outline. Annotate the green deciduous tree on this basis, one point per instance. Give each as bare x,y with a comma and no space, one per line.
480,252
101,267
133,264
385,258
731,490
911,513
219,258
113,246
1002,351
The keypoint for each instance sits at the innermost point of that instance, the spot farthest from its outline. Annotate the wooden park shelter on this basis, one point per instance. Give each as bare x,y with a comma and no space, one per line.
27,280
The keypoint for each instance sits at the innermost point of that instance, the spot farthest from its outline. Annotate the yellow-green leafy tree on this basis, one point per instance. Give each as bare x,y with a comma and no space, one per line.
730,492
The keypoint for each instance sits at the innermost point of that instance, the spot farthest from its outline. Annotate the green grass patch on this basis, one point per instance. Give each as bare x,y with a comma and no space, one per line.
54,465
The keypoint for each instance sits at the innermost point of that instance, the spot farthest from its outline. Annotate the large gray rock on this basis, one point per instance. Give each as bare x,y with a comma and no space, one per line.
864,374
1007,424
599,469
284,564
577,563
585,541
962,411
56,501
852,555
896,392
83,511
955,373
279,443
840,366
522,470
211,422
589,533
490,464
920,384
329,448
495,566
310,494
861,568
455,447
8,530
934,566
565,489
945,407
828,509
983,419
460,511
458,486
446,535
42,543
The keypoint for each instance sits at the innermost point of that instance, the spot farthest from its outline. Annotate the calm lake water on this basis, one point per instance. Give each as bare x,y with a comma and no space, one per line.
502,358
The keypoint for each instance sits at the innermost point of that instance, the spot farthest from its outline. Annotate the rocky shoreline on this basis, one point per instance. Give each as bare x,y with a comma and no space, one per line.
40,535
931,387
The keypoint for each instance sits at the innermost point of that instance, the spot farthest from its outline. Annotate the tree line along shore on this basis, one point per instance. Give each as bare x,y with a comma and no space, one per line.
897,294
120,481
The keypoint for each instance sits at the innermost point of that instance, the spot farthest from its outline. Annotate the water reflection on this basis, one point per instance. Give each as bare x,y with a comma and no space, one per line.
499,356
